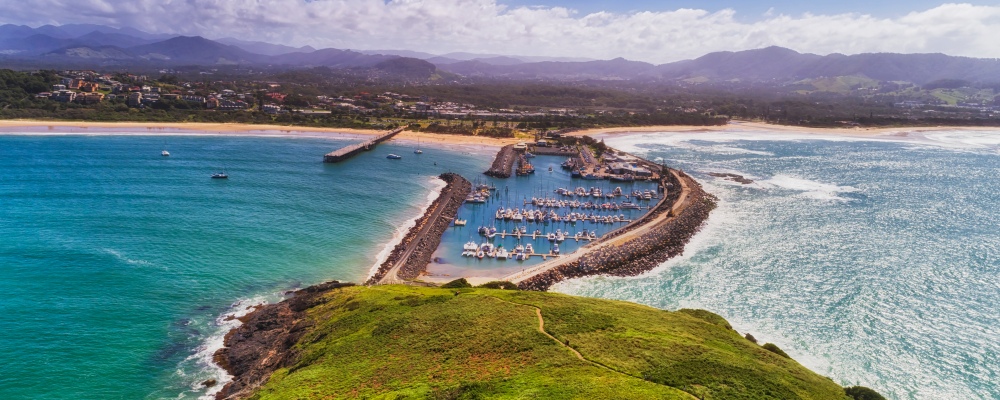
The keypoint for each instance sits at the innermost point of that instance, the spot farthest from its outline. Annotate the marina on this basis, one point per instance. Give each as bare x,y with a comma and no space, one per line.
512,224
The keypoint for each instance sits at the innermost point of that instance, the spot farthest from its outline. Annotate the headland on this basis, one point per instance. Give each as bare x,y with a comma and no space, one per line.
397,341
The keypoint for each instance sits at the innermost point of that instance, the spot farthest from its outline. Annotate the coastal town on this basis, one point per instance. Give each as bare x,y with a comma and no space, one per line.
165,96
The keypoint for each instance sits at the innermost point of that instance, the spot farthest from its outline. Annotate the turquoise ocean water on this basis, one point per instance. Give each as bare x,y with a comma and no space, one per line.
873,262
117,265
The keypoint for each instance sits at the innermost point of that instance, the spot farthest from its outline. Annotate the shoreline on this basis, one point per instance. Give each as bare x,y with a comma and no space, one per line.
761,127
413,252
45,128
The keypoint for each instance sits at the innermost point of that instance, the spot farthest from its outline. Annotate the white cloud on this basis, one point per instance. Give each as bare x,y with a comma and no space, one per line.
487,27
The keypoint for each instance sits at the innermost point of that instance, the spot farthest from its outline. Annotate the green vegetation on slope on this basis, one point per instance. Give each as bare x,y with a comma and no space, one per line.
411,342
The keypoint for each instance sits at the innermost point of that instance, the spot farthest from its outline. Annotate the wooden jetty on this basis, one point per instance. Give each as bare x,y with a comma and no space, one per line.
350,151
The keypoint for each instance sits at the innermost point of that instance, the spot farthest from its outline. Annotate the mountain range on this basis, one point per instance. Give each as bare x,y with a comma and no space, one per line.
102,46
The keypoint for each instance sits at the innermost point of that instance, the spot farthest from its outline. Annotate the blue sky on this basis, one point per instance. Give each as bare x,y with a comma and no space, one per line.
644,30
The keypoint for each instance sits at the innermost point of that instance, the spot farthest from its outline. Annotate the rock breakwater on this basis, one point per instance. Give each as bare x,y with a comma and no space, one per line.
410,257
503,163
643,252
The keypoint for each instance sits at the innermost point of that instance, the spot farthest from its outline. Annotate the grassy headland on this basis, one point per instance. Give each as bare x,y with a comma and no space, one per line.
418,342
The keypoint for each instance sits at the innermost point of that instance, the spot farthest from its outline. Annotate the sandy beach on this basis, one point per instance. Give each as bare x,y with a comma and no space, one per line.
38,127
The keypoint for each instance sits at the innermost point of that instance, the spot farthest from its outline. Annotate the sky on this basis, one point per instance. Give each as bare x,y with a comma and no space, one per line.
644,30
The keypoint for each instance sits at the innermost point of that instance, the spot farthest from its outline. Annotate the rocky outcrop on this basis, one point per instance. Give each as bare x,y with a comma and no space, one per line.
264,343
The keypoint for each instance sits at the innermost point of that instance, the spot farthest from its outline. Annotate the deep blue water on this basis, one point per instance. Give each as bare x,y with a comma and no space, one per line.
873,262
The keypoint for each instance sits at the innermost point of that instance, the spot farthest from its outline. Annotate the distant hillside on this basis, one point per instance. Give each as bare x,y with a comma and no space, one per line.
618,68
776,63
88,44
194,50
407,67
409,342
263,48
333,58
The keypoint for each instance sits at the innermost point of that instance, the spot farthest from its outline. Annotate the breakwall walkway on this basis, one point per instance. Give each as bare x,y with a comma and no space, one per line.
352,150
412,255
503,163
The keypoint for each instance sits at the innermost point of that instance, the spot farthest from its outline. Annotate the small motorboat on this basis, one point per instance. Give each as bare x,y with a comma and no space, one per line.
220,175
165,153
460,222
393,157
555,249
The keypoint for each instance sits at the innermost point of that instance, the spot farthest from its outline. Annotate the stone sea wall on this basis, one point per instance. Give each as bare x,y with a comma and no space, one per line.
644,252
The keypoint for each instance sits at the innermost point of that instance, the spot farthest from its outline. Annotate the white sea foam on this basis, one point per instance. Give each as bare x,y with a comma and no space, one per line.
809,188
963,140
949,139
437,186
203,356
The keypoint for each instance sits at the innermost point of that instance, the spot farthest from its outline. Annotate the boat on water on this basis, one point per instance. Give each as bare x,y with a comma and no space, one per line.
220,175
528,249
460,222
417,150
470,246
165,153
393,157
555,249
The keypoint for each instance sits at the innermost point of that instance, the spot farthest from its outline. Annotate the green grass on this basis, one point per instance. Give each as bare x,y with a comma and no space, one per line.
399,342
841,84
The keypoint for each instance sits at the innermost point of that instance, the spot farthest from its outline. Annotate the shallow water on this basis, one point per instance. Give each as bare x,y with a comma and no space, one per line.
874,261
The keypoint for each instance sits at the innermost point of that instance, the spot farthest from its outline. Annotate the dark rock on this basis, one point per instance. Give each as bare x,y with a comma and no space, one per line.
264,342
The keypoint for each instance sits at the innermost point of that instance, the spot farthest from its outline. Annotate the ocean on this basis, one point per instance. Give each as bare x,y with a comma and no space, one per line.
874,261
871,261
120,268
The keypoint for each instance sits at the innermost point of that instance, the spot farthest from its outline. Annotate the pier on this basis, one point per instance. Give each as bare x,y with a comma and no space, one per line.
352,150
